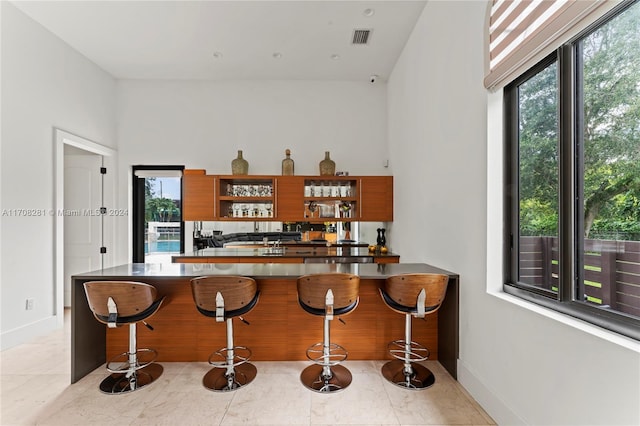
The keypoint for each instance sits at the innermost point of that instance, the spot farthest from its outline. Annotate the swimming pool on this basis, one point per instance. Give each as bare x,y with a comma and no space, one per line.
168,246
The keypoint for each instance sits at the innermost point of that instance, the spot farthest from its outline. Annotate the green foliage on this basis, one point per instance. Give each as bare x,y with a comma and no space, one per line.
611,135
538,218
158,209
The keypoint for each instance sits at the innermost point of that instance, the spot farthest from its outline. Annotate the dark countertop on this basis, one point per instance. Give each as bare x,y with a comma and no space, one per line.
284,251
258,270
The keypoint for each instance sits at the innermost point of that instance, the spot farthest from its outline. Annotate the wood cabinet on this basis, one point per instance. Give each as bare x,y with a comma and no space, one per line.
330,199
287,198
376,198
245,198
198,194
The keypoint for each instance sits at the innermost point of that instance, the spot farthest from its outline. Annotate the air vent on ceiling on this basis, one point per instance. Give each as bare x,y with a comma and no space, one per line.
361,36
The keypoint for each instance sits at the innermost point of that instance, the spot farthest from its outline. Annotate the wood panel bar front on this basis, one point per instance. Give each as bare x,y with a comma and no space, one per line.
279,328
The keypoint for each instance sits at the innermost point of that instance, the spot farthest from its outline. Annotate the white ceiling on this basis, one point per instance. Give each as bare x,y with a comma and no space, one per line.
178,39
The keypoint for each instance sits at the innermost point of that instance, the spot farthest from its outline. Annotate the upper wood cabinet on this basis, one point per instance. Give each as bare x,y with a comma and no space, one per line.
198,194
287,198
331,199
245,198
376,198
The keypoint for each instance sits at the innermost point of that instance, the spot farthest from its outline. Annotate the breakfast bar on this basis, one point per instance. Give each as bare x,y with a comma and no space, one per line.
286,254
278,330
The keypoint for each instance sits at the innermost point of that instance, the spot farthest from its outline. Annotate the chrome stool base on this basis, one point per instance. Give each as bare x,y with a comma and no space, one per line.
420,378
118,383
312,378
217,380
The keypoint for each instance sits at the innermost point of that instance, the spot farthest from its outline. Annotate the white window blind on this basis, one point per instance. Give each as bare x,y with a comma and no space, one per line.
521,32
146,173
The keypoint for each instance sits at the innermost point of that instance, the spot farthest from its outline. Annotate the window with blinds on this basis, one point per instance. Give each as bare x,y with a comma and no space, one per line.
522,32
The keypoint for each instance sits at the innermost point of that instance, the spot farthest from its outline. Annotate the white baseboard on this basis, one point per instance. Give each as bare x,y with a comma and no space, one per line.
492,404
28,332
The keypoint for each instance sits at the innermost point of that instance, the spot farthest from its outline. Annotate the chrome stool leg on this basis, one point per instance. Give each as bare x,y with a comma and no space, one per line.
325,375
405,370
235,371
132,373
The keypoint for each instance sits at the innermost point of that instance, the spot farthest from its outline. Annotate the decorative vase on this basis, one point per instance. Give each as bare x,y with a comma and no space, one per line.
381,240
327,166
239,166
287,164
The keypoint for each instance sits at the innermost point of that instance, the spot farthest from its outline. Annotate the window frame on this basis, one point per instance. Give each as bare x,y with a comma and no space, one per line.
570,140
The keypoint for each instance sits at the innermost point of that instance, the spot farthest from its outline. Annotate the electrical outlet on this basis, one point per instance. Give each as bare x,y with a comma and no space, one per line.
29,305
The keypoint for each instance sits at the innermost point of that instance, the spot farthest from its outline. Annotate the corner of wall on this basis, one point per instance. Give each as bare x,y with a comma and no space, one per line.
489,400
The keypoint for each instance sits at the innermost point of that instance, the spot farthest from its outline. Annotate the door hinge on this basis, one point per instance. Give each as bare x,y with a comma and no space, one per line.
103,250
103,170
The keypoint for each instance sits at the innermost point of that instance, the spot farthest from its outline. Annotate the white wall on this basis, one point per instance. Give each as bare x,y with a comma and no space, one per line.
523,364
45,84
202,124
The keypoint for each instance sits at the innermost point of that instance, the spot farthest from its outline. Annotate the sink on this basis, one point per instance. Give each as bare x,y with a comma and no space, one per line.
273,251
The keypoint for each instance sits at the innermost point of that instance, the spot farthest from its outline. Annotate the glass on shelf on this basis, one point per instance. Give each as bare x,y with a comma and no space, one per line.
335,190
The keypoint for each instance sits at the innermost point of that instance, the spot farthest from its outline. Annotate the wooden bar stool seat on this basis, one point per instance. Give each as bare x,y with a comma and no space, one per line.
224,298
118,303
414,295
327,295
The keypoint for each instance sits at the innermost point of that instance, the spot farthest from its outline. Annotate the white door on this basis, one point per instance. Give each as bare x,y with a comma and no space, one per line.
82,220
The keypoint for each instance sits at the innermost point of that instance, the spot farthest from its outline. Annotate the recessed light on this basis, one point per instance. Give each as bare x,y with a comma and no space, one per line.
217,55
277,55
369,12
335,56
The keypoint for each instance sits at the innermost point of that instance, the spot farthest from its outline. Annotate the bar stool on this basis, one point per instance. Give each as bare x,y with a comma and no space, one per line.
223,298
118,303
415,295
327,295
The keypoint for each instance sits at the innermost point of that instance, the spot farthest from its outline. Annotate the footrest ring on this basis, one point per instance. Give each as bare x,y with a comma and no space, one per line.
416,352
241,355
337,354
124,364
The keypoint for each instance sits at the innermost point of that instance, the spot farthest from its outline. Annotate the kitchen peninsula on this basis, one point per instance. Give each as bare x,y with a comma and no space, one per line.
279,329
309,253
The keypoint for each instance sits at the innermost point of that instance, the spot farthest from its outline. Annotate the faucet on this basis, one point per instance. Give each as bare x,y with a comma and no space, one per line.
298,228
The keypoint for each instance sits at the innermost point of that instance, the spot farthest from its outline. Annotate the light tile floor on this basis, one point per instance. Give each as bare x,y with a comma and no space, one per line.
35,390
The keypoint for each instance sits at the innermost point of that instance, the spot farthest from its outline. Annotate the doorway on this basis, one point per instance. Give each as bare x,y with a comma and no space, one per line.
65,142
83,227
158,229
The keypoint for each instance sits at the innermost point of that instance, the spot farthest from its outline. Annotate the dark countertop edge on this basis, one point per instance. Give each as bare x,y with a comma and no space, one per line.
257,252
293,255
259,270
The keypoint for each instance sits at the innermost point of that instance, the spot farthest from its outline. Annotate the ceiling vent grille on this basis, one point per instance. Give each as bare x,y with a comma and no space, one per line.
361,36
